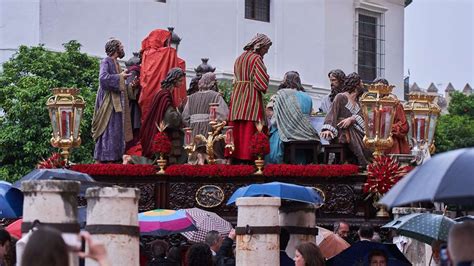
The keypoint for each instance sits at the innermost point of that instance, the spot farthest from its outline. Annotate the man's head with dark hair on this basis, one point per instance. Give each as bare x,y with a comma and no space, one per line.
174,254
378,258
291,80
284,238
366,232
336,79
214,240
352,83
199,255
341,228
114,46
5,240
173,78
159,248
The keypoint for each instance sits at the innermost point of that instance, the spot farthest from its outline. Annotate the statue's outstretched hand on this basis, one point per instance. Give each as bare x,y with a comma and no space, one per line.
345,123
327,134
125,74
135,83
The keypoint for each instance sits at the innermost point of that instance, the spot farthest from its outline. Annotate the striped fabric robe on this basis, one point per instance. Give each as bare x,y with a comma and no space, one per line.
246,102
251,82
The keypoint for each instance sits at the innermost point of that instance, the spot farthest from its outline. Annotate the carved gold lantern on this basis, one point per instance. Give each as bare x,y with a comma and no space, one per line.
65,111
378,107
422,114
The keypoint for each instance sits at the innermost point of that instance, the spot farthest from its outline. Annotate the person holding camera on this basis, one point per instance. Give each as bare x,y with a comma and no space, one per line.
46,247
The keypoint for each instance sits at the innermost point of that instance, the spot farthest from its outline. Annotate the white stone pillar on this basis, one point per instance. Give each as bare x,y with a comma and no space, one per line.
297,217
257,248
53,203
112,218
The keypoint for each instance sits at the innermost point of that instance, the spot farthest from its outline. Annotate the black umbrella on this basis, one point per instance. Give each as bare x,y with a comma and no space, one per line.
58,174
447,177
358,254
464,218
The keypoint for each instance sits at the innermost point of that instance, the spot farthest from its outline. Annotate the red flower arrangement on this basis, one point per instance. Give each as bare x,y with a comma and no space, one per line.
115,169
382,174
259,144
214,170
218,170
54,161
161,143
312,170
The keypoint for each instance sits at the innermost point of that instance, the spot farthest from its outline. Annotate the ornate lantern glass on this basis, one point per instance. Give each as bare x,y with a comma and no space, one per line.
378,108
422,114
229,135
65,111
229,138
188,136
213,113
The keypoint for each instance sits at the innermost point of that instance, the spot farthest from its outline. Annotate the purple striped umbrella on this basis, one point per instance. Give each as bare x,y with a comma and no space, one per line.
205,222
161,222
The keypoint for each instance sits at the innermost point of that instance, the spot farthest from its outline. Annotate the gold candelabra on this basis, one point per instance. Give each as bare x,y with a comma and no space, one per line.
216,134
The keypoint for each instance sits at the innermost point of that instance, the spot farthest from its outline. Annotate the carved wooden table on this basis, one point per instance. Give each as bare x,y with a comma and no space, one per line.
344,196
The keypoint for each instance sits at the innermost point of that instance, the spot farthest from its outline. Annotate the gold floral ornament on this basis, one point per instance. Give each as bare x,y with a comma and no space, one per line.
259,147
161,145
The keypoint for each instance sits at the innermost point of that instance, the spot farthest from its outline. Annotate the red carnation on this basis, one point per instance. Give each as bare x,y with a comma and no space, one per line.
161,143
259,144
115,169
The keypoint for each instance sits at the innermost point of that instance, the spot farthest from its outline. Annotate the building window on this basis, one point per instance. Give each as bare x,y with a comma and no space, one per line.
257,10
370,46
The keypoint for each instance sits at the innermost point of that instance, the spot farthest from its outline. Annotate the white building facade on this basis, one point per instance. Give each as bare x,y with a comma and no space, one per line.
309,36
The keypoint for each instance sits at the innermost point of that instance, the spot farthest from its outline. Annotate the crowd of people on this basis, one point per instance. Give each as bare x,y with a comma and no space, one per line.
47,247
131,103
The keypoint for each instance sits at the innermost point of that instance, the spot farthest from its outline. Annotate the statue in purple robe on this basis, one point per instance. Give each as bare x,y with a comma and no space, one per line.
111,125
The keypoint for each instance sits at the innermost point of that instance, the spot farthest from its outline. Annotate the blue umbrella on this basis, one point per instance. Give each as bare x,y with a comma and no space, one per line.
358,254
58,174
277,189
11,201
425,227
447,177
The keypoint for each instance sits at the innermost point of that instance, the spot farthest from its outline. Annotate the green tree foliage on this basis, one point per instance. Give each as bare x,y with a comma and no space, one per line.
461,104
25,85
456,129
225,88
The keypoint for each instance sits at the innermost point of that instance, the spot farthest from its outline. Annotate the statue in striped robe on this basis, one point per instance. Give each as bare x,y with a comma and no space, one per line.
246,102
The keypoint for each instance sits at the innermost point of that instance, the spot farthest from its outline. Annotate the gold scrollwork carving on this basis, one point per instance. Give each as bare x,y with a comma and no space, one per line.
209,196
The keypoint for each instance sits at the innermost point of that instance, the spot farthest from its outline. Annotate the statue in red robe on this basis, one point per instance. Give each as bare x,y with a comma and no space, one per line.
157,59
399,129
399,132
